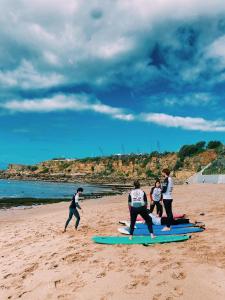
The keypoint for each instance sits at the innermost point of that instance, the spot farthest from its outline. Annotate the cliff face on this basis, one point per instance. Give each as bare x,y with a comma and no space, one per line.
115,168
194,164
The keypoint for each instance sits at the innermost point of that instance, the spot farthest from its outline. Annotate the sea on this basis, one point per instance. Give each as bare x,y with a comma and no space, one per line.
43,189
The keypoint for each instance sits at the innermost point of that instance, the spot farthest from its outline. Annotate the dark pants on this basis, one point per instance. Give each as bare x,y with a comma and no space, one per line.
134,212
164,221
168,207
159,207
73,211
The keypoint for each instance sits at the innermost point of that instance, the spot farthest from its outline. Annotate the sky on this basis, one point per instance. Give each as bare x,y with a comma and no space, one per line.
89,78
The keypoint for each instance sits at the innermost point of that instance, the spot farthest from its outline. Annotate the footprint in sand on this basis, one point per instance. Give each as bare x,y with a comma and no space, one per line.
178,265
95,261
29,270
53,266
110,266
132,285
8,275
64,296
100,275
178,291
138,280
23,293
178,275
162,283
56,283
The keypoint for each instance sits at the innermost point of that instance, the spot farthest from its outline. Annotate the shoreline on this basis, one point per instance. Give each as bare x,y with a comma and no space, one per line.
27,202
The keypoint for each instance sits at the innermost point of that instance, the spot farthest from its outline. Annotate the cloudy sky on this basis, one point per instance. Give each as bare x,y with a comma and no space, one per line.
84,78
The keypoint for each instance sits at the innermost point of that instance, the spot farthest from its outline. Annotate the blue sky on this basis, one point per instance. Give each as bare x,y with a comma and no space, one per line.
80,79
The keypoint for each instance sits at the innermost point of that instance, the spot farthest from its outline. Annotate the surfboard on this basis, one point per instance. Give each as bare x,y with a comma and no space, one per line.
158,232
143,225
116,240
175,216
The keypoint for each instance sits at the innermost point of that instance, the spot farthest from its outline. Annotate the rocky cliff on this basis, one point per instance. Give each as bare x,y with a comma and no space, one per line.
120,168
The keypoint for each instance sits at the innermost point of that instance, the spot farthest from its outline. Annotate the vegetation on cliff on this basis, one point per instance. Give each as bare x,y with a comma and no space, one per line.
217,166
123,168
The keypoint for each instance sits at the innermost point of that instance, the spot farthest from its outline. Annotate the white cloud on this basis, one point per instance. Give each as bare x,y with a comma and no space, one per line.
125,117
61,103
26,77
106,44
81,41
83,103
217,49
193,99
188,123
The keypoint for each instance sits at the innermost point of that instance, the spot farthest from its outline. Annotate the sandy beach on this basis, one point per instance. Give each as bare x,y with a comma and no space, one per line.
39,262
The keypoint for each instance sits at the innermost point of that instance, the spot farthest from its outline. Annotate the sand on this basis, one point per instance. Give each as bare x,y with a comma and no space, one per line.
39,262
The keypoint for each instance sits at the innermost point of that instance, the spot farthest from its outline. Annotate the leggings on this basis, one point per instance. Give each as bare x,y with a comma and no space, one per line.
164,221
73,211
134,212
158,207
168,207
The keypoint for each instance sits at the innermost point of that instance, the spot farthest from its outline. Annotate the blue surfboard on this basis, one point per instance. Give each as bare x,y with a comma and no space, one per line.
144,231
143,225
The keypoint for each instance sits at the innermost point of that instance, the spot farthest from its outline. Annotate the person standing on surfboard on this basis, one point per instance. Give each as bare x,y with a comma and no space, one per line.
167,189
73,209
137,201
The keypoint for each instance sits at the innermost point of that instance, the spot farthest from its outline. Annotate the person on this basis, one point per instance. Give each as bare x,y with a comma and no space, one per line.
137,201
156,220
167,188
73,209
156,198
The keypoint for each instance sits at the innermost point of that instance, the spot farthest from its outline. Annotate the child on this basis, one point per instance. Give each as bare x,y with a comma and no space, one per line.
156,198
73,209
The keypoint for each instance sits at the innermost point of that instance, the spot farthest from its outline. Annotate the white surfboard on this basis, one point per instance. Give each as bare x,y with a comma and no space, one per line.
123,231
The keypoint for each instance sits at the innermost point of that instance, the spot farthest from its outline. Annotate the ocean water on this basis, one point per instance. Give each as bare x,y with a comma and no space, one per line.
43,190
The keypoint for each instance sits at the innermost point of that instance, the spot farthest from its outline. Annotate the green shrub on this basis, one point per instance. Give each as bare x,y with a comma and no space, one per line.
149,173
45,170
190,150
179,164
32,168
214,145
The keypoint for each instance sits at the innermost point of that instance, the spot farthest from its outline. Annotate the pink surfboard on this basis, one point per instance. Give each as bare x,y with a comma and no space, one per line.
176,216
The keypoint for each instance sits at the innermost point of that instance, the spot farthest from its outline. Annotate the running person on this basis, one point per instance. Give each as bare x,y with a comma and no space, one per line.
156,198
73,209
137,201
167,189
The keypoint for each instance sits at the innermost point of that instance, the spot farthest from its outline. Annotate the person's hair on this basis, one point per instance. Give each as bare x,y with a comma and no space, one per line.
80,189
137,184
157,180
166,171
